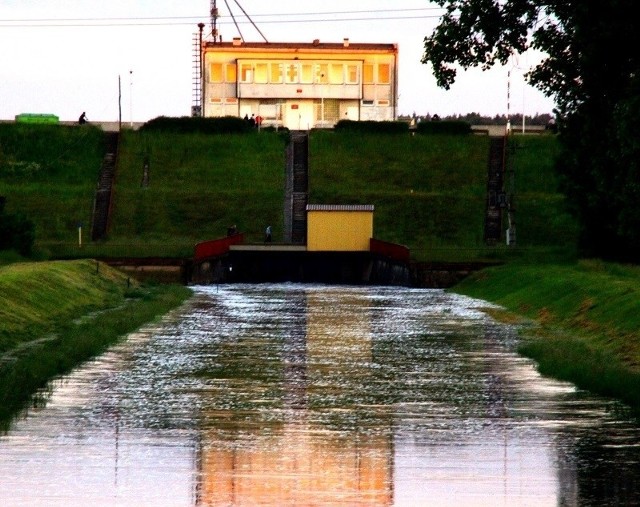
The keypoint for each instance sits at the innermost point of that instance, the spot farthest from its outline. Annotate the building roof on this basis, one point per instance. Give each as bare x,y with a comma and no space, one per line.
316,45
340,207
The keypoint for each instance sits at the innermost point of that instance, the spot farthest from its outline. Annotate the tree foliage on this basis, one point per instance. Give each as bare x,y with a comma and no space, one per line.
16,233
591,70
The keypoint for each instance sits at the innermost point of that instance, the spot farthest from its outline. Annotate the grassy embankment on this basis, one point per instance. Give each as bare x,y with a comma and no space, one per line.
49,173
586,320
429,191
54,315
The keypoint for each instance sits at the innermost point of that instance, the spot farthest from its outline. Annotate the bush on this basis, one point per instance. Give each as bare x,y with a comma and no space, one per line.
373,127
444,127
192,125
16,233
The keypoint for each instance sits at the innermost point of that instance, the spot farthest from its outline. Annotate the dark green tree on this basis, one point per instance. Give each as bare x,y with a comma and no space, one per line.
16,231
592,71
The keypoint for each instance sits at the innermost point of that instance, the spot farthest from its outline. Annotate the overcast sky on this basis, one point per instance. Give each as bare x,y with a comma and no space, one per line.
65,57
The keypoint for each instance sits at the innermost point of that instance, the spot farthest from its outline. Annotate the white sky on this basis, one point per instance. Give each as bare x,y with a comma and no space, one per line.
75,65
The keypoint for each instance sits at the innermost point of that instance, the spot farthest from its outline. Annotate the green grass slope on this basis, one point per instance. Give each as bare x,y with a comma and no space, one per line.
49,173
54,315
429,190
587,319
198,186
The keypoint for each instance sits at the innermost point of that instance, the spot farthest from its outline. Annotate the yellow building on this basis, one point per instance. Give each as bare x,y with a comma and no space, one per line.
339,228
300,85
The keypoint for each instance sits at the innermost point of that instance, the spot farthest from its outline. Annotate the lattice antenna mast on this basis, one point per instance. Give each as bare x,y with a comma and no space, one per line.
214,20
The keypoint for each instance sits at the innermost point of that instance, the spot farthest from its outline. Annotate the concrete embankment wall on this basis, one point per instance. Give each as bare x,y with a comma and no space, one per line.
340,268
441,275
358,268
355,268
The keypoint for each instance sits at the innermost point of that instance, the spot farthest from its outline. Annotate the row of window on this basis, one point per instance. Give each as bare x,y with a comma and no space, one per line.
277,102
300,73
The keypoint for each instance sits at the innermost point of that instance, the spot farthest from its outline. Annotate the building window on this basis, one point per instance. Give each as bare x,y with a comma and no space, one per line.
261,75
384,73
352,74
246,73
232,73
215,73
306,74
269,109
322,73
292,73
327,110
336,73
367,73
276,73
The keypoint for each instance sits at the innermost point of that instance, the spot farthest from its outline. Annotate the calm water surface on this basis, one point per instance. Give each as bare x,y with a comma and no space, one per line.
320,396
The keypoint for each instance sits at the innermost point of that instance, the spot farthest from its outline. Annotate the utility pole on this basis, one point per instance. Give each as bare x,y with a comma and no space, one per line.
507,167
119,104
131,98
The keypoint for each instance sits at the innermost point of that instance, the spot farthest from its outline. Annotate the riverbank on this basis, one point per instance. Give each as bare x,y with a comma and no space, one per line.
55,315
583,320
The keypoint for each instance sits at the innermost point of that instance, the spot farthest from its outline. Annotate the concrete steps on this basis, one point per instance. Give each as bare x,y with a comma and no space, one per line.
296,188
104,189
496,197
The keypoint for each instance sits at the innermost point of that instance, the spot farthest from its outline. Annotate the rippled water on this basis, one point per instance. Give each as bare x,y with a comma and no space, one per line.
313,395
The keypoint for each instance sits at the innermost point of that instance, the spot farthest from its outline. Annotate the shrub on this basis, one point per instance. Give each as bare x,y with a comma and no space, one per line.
16,233
373,127
191,125
444,127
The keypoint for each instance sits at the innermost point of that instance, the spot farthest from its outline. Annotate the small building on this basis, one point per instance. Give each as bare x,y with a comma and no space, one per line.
300,85
339,228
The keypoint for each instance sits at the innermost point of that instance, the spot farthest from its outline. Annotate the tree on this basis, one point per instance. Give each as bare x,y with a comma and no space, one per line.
592,71
16,233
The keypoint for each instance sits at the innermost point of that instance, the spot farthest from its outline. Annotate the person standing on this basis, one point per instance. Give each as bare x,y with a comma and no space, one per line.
267,234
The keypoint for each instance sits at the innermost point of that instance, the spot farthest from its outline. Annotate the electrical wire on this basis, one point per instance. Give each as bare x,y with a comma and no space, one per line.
343,16
147,18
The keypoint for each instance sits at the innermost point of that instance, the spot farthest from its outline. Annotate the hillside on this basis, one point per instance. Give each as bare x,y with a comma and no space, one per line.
429,191
49,173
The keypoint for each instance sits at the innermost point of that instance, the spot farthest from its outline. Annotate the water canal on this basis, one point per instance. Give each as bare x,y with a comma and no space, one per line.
287,395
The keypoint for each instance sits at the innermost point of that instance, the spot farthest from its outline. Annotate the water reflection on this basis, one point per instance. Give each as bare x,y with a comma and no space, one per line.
310,395
315,443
